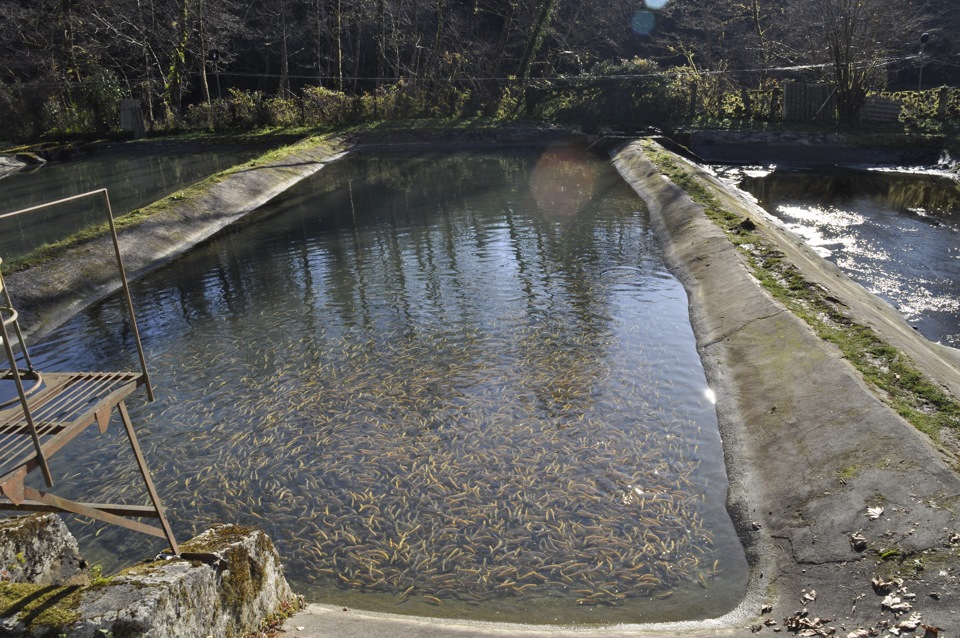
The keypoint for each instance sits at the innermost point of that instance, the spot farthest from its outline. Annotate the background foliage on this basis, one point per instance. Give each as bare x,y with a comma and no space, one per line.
224,64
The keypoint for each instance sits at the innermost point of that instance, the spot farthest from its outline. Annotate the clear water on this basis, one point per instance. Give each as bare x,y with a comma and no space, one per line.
897,234
134,178
460,385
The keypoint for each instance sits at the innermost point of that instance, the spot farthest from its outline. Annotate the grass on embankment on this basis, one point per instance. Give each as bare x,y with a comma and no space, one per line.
51,251
885,369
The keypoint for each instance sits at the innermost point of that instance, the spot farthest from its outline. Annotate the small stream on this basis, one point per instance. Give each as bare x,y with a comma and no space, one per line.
896,233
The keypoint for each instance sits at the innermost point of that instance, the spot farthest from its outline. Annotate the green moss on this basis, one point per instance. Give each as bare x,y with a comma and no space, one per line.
217,539
886,370
888,554
243,581
41,607
25,528
848,472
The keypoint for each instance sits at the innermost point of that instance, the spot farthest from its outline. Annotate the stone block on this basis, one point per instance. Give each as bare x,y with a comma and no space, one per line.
229,580
39,549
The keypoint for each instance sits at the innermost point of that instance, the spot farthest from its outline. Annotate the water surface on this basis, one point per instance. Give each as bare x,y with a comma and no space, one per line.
455,384
897,234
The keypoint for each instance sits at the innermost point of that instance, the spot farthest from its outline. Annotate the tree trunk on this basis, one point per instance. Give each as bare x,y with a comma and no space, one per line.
536,38
284,90
338,16
201,33
71,70
173,85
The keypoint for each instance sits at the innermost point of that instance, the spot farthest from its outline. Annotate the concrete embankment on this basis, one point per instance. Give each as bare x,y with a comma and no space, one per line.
47,296
808,445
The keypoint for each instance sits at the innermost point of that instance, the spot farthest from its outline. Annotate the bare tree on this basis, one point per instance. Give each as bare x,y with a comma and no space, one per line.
853,43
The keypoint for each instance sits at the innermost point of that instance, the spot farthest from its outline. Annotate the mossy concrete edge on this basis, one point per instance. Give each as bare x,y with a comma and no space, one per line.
48,295
795,417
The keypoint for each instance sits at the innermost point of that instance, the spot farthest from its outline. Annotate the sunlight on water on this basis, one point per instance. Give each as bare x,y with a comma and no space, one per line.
894,233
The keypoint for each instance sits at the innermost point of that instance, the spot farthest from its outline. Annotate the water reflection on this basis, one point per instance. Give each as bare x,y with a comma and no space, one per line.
437,395
895,233
133,177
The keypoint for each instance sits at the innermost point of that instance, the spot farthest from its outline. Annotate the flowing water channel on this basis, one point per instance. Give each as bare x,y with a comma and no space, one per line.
133,178
454,384
895,233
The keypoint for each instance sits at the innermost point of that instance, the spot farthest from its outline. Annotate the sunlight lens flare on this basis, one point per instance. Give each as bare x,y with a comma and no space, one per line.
643,22
562,182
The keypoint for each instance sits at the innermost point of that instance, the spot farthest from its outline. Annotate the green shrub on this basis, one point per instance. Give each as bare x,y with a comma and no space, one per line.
326,107
100,95
280,111
212,116
247,108
627,94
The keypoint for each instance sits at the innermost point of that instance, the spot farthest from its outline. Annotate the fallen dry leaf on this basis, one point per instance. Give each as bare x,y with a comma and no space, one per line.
894,604
881,586
873,513
859,633
858,542
808,596
910,623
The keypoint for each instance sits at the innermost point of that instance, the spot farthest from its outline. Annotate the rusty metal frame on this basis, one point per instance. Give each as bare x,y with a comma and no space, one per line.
54,408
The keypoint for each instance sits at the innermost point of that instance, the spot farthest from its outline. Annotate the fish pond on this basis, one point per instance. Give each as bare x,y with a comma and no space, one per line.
896,233
457,384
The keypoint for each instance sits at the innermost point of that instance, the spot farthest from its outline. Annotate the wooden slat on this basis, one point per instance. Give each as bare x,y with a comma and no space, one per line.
142,511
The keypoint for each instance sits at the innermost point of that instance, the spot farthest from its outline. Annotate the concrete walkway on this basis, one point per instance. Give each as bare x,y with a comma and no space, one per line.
808,449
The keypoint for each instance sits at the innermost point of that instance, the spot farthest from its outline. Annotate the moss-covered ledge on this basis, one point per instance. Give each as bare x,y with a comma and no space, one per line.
242,594
53,283
830,487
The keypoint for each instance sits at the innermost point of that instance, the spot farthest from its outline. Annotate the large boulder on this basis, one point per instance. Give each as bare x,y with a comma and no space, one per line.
39,549
229,580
